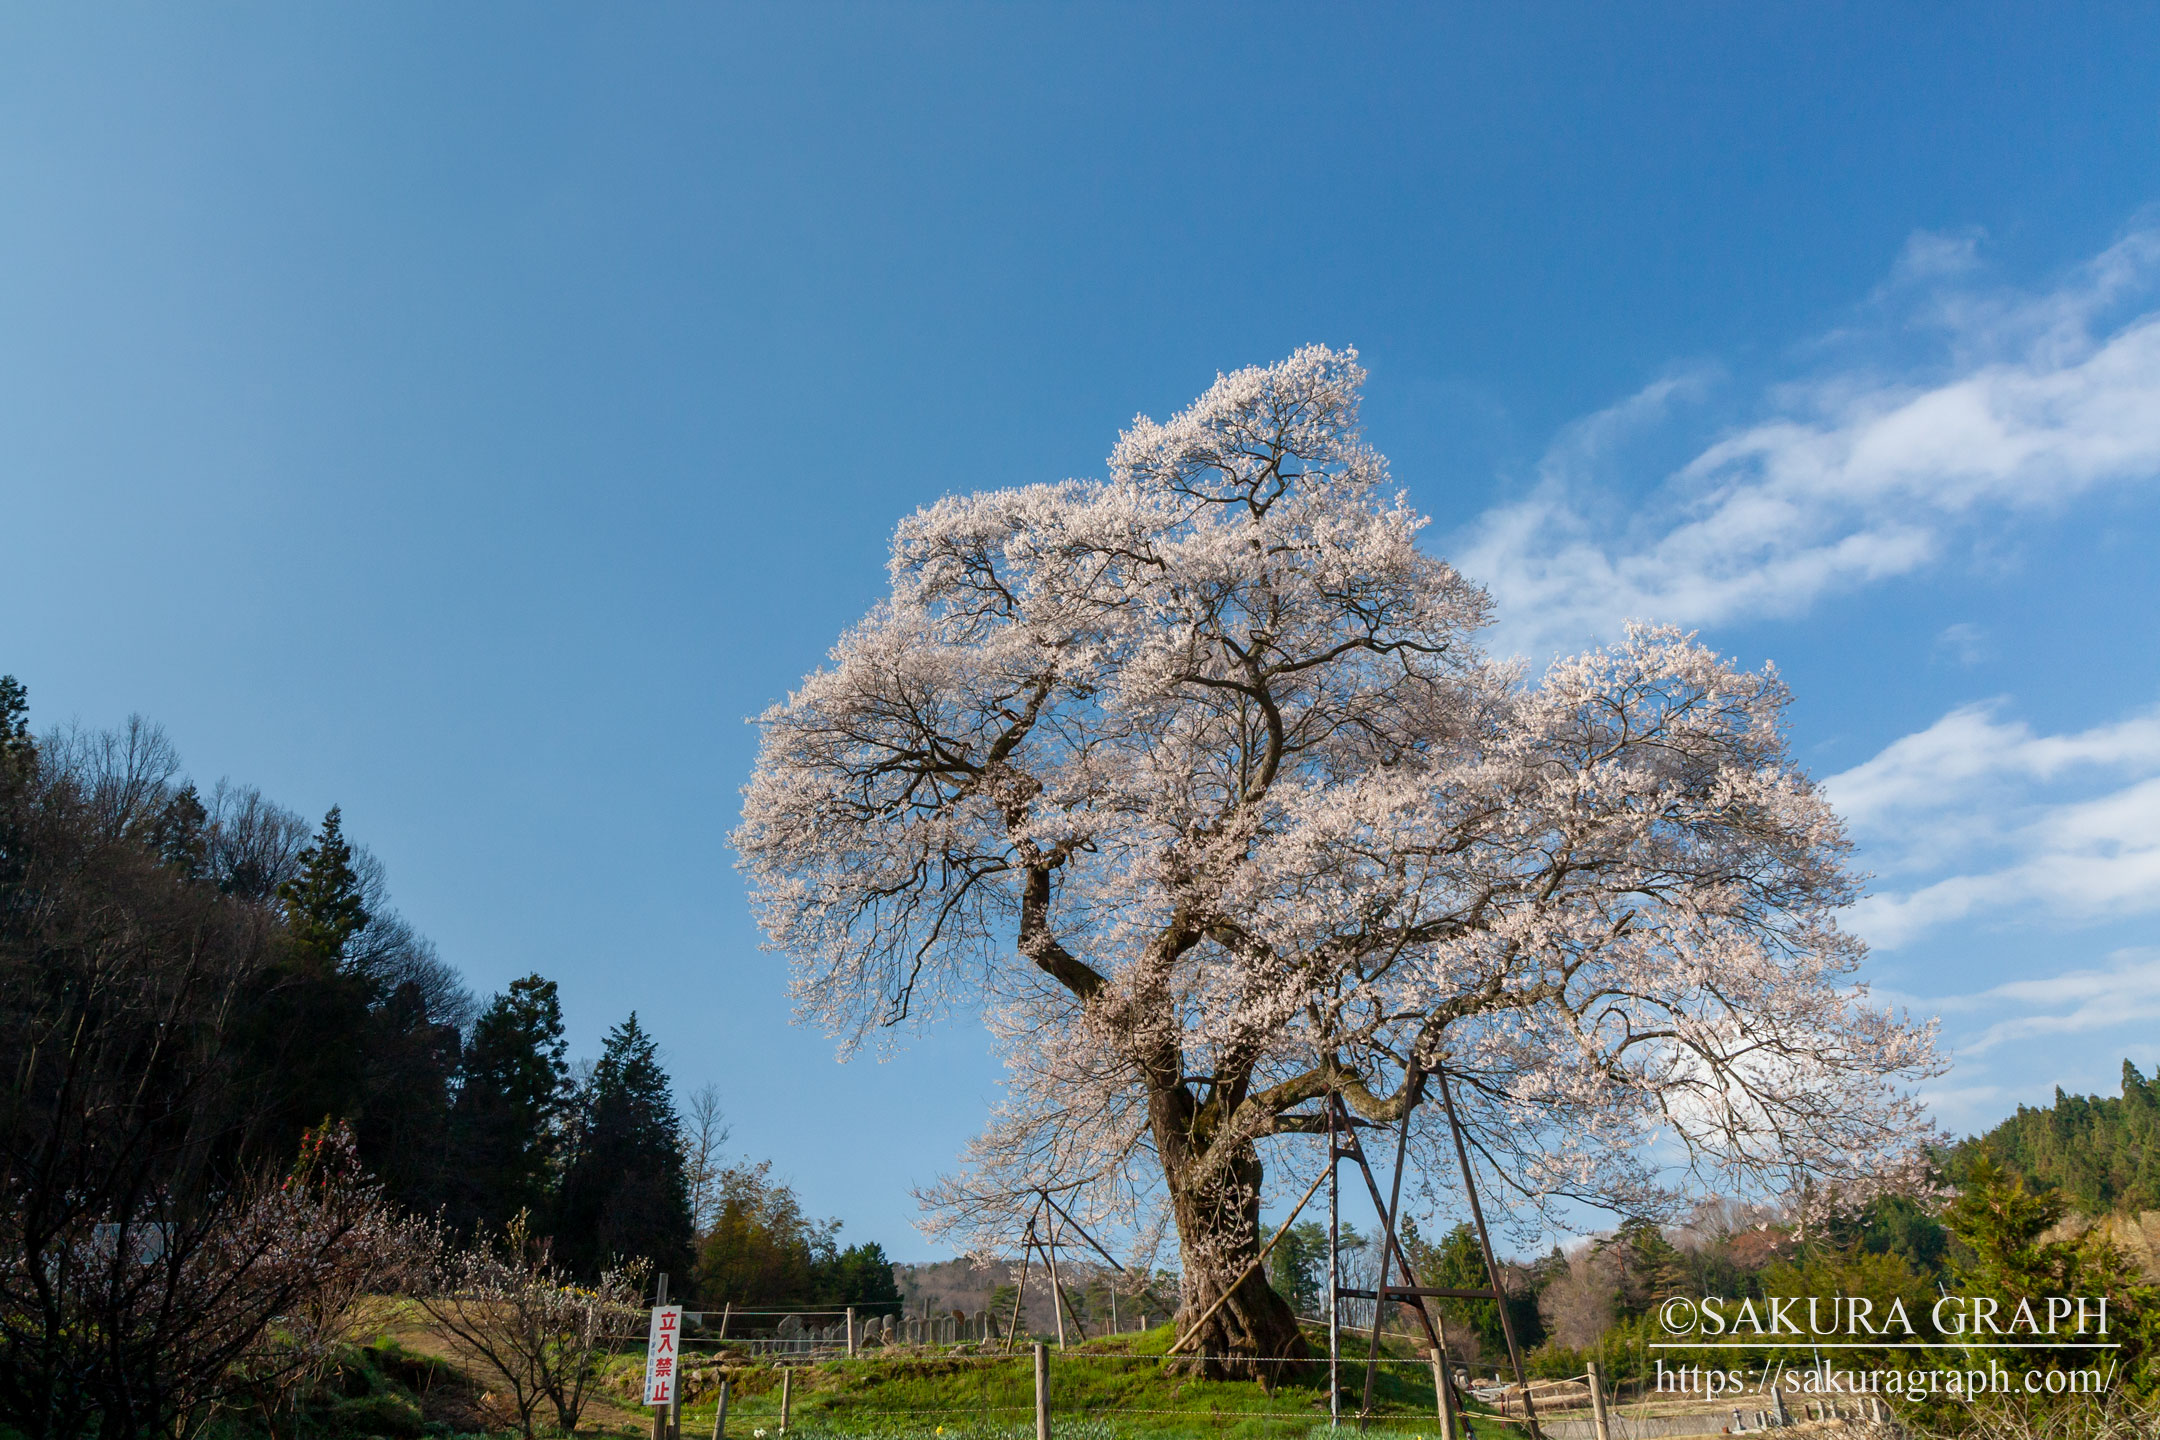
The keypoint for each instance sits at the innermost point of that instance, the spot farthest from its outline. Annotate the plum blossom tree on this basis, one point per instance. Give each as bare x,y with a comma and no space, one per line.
1195,781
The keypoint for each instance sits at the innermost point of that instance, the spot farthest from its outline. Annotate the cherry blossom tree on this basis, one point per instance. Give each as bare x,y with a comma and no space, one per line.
1195,782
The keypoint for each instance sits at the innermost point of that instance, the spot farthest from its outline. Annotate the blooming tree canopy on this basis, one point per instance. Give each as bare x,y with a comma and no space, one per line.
1195,779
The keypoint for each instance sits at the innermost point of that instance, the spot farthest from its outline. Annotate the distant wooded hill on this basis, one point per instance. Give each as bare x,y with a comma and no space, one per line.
2102,1154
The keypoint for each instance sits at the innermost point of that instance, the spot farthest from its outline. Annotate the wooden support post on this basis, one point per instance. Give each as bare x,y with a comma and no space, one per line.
726,1311
674,1405
787,1395
1012,1333
1413,1083
1042,1391
1492,1270
1057,1287
851,1332
660,1412
1334,1273
1391,1243
1597,1403
1441,1407
719,1419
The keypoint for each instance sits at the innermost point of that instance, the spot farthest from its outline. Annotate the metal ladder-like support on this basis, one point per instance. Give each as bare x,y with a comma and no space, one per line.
1343,1144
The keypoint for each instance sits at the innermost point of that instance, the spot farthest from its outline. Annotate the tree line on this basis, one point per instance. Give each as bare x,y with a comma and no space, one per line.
208,1003
2007,1216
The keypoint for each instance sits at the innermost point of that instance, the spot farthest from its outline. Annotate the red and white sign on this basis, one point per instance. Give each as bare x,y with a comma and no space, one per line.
662,1354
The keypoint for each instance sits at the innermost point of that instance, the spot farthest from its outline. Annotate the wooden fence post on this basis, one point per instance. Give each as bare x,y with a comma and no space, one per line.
787,1397
1597,1403
1042,1391
1440,1395
719,1419
851,1332
660,1412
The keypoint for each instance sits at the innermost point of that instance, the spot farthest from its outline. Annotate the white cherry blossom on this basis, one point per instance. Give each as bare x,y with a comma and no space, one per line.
1196,782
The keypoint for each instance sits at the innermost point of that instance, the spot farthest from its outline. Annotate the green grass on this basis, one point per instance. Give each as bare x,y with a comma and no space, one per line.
1101,1389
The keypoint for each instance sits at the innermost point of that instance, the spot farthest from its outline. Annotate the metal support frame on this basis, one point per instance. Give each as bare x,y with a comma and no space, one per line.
1334,1273
1343,1144
1046,1243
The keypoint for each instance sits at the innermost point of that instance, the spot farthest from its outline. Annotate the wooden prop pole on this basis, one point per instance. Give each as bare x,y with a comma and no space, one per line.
1245,1274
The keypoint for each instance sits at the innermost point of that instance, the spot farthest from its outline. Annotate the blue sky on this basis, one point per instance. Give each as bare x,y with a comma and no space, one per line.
468,415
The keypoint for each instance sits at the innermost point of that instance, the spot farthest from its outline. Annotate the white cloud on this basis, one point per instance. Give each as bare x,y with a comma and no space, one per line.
2075,1002
1976,815
1853,476
1965,643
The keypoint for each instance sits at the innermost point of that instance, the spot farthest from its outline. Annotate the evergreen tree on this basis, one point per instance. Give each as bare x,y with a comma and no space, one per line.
626,1190
862,1276
2102,1153
506,1127
180,834
2004,1253
16,746
18,765
762,1248
410,1059
307,1033
1457,1262
1297,1267
323,909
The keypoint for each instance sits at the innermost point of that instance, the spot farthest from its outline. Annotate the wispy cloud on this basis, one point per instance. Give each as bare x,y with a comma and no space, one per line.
1978,815
1964,643
2126,992
1858,474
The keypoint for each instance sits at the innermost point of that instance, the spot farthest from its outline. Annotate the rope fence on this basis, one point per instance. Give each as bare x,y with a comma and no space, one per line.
961,1393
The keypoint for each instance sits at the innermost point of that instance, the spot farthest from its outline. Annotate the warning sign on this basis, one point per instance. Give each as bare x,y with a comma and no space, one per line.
662,1352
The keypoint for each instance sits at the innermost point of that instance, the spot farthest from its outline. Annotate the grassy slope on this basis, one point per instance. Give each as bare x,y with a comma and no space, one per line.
1121,1385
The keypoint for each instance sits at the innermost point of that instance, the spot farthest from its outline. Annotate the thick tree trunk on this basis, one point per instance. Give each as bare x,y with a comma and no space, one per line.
1254,1332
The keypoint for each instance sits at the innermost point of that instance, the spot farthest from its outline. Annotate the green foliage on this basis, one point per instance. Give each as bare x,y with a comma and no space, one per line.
516,1087
2102,1154
763,1250
1880,1278
1650,1267
323,909
1297,1266
17,749
1902,1226
1458,1263
2003,1225
862,1276
626,1189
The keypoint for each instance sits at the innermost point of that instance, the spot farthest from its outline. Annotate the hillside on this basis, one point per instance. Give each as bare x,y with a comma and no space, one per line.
2102,1154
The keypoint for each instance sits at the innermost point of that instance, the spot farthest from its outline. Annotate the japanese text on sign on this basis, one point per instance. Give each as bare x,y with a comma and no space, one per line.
661,1353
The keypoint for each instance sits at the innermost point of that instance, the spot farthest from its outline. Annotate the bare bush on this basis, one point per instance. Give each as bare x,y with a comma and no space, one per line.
512,1307
2108,1417
1577,1306
234,1299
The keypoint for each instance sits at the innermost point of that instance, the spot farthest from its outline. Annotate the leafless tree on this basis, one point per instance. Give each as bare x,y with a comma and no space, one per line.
1577,1305
150,1230
504,1299
705,1131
